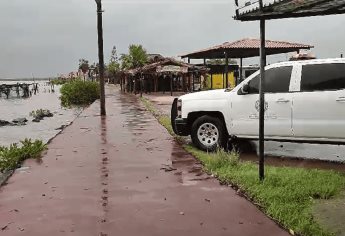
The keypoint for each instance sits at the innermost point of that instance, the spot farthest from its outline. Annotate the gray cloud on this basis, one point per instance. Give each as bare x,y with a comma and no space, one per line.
47,37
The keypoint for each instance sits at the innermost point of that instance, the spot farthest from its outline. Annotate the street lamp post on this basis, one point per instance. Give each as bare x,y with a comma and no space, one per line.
101,54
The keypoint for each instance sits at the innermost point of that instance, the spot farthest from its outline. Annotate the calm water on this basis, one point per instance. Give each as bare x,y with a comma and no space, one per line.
20,108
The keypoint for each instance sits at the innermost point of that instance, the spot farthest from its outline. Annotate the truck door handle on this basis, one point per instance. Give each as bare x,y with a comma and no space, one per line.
283,100
341,99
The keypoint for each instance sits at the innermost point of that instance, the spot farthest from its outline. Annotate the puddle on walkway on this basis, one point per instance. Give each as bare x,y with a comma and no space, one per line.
189,171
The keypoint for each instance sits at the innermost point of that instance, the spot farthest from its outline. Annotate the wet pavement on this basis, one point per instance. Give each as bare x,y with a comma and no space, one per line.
122,175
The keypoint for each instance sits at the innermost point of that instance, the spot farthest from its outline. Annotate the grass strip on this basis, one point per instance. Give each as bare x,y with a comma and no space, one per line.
287,195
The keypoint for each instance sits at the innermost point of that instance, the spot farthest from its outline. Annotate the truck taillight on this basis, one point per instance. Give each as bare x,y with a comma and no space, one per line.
179,108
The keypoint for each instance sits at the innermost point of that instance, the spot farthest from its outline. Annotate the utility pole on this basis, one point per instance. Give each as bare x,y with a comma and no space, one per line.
101,54
262,97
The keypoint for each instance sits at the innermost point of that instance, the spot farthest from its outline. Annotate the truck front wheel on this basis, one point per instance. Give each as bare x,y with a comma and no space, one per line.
208,133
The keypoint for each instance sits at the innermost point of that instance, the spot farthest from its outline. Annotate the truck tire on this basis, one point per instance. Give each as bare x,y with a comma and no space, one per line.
174,115
208,133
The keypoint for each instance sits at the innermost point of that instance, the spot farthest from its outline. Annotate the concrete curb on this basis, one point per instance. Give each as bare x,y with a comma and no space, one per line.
5,176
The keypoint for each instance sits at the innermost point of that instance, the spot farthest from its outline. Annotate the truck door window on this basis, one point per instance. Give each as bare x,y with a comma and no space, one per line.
277,80
322,77
254,85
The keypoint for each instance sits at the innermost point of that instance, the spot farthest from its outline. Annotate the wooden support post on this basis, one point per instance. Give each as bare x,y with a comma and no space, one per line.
101,55
193,87
141,80
188,60
262,100
189,79
130,85
171,85
226,69
121,84
240,72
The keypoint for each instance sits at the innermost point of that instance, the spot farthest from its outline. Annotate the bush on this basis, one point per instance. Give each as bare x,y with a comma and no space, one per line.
79,93
12,156
59,81
41,113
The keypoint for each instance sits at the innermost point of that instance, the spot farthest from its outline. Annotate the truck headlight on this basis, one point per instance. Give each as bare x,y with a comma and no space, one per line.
179,108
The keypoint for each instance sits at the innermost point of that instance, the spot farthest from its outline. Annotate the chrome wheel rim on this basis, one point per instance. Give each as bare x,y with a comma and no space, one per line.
208,134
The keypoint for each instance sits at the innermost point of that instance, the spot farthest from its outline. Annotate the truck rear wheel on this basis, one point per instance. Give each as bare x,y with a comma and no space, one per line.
208,133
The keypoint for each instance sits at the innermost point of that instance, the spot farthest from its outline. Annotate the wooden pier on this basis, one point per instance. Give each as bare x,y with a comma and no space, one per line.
20,89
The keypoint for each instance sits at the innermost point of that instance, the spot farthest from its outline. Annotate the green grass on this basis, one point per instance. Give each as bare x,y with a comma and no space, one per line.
79,93
11,157
287,195
163,119
151,108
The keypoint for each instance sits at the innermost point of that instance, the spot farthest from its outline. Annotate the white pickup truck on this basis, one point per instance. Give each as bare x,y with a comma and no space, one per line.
304,102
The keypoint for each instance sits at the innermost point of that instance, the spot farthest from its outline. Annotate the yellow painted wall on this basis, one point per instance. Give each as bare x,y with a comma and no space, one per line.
217,81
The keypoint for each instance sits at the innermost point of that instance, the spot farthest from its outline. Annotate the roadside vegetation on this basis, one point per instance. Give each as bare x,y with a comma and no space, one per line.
287,195
58,81
40,114
79,93
11,157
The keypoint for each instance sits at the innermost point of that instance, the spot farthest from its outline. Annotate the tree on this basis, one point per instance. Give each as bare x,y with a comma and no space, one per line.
126,62
84,66
93,70
220,62
114,65
114,57
136,57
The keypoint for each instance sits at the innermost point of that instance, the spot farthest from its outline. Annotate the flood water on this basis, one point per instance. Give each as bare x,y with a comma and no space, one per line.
323,152
15,107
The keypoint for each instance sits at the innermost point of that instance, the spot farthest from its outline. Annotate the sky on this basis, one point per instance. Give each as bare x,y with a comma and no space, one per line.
44,38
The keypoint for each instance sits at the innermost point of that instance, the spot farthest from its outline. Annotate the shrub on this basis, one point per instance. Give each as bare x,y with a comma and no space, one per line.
59,81
12,156
79,93
41,113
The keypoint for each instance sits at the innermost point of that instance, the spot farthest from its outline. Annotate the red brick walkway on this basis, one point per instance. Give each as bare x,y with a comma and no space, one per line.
122,175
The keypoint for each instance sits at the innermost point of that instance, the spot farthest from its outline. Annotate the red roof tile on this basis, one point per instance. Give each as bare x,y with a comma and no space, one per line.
248,44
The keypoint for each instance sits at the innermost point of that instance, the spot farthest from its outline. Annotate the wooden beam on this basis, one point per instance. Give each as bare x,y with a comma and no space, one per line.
171,85
226,69
193,82
241,71
101,57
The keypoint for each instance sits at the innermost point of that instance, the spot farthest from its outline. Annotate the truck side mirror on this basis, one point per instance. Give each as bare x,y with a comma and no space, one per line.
244,89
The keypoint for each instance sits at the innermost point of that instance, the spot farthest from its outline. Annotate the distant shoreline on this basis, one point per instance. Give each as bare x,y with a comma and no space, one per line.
27,79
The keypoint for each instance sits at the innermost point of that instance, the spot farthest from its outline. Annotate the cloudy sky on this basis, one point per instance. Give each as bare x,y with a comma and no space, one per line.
47,37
